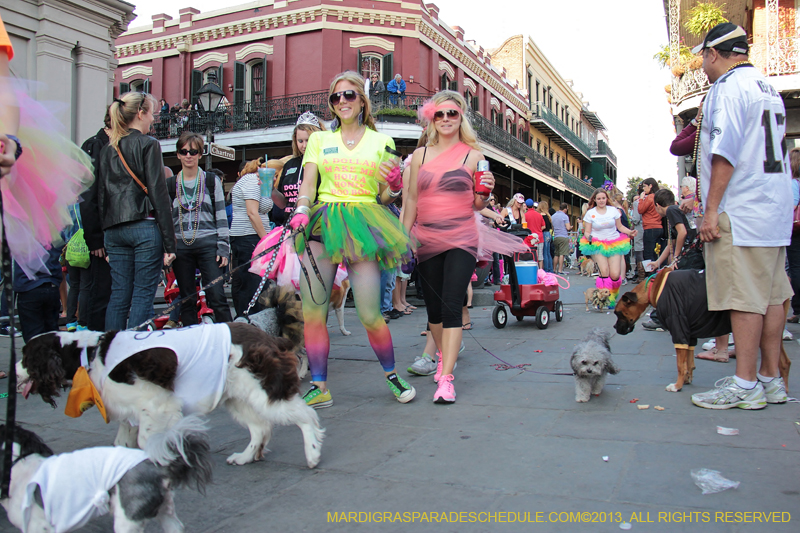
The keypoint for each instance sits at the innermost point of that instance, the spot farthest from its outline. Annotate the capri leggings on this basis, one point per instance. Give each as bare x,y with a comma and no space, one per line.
445,278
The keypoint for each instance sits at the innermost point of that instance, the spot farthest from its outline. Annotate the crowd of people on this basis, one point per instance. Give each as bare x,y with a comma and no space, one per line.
336,194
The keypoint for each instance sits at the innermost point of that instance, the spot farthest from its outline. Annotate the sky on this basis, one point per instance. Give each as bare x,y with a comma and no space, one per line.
605,46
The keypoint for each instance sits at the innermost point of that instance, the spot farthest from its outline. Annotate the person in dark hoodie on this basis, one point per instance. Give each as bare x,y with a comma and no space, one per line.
99,270
38,300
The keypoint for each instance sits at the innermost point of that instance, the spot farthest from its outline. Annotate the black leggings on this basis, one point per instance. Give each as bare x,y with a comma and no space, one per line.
445,278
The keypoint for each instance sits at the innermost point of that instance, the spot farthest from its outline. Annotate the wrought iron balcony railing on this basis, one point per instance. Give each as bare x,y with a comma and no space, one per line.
543,113
275,112
780,59
283,111
496,136
602,149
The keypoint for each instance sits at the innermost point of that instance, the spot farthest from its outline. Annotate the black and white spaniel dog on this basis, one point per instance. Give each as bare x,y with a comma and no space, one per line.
149,380
52,493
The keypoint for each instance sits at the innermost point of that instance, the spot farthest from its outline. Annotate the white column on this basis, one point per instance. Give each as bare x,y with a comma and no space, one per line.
54,74
92,92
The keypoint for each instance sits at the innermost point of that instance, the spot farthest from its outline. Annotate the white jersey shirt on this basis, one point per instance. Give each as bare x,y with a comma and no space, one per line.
744,121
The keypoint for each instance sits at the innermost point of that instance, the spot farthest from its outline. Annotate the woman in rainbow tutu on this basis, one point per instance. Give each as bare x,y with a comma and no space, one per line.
606,240
348,225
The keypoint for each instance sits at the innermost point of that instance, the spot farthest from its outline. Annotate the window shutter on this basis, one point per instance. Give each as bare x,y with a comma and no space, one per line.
264,79
220,71
239,76
388,67
124,88
146,86
358,65
454,85
476,104
197,82
443,83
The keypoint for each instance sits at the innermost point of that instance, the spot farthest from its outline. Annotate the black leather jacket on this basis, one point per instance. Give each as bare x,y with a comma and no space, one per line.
120,199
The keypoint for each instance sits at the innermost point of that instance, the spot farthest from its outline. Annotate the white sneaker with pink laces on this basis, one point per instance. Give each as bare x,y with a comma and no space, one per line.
445,392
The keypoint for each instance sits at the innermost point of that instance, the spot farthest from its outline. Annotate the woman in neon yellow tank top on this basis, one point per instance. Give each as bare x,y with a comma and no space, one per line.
348,225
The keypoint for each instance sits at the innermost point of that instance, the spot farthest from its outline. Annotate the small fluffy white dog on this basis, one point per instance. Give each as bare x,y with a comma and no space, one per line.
591,361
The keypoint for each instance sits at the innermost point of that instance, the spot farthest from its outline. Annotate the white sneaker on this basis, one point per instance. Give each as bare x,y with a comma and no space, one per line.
775,390
728,394
710,345
787,335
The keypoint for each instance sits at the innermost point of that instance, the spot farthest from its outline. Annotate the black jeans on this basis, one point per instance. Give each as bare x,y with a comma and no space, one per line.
244,284
80,283
38,310
99,294
204,258
445,278
496,274
793,254
652,237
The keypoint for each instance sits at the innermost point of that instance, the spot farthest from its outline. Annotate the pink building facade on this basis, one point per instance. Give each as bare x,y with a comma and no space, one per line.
274,60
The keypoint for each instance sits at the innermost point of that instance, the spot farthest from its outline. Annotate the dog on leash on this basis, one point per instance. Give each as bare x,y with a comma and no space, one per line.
597,298
55,493
591,362
339,297
147,380
681,300
587,266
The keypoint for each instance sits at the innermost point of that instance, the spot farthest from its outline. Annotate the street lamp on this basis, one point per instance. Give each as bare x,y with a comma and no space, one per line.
210,96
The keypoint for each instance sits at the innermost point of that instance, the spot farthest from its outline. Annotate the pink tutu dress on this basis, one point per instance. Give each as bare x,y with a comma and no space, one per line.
446,218
46,180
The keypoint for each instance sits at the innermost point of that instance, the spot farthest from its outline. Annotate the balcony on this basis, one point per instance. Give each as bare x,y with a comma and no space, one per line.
281,111
602,150
576,184
547,121
499,138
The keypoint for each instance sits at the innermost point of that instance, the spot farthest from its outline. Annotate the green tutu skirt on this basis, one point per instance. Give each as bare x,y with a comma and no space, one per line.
354,232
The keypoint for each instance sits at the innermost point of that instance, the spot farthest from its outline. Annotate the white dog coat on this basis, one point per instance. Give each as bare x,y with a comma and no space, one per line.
75,485
203,351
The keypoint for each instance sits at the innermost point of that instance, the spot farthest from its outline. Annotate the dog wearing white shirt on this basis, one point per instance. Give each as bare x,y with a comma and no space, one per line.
60,493
149,380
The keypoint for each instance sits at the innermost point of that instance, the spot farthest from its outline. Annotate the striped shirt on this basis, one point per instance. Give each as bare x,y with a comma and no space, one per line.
212,228
248,188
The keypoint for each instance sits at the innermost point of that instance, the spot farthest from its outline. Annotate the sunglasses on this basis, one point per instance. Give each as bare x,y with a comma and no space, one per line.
451,114
349,96
188,152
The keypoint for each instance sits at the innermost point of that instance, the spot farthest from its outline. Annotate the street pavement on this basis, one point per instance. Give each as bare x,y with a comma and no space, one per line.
515,447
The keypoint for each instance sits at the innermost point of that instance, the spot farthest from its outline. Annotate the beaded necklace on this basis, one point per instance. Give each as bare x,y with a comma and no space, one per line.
698,198
192,204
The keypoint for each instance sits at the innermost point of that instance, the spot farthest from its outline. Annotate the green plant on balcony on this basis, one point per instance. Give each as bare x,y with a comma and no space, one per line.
703,17
396,112
684,54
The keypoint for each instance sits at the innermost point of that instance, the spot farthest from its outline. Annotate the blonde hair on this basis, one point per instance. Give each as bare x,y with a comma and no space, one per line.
465,133
794,162
355,79
251,167
543,208
584,209
310,128
122,114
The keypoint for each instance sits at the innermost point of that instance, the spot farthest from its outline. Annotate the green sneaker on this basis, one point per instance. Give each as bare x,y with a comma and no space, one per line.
402,390
317,399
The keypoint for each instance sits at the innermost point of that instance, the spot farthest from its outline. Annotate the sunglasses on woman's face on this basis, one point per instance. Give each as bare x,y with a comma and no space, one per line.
349,96
451,114
184,151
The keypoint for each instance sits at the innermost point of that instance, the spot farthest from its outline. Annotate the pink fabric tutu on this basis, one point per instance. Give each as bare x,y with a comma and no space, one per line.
286,269
42,185
446,218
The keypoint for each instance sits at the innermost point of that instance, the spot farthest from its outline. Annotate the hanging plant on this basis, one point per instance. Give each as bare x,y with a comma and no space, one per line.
668,88
678,70
684,54
695,63
704,16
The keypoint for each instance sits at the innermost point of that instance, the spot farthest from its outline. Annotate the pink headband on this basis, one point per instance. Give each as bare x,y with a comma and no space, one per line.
429,109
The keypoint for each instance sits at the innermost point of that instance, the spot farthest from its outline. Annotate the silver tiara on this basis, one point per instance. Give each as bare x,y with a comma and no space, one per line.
308,118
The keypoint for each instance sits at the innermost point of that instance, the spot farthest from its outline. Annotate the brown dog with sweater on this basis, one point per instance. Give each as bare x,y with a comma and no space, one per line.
682,303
